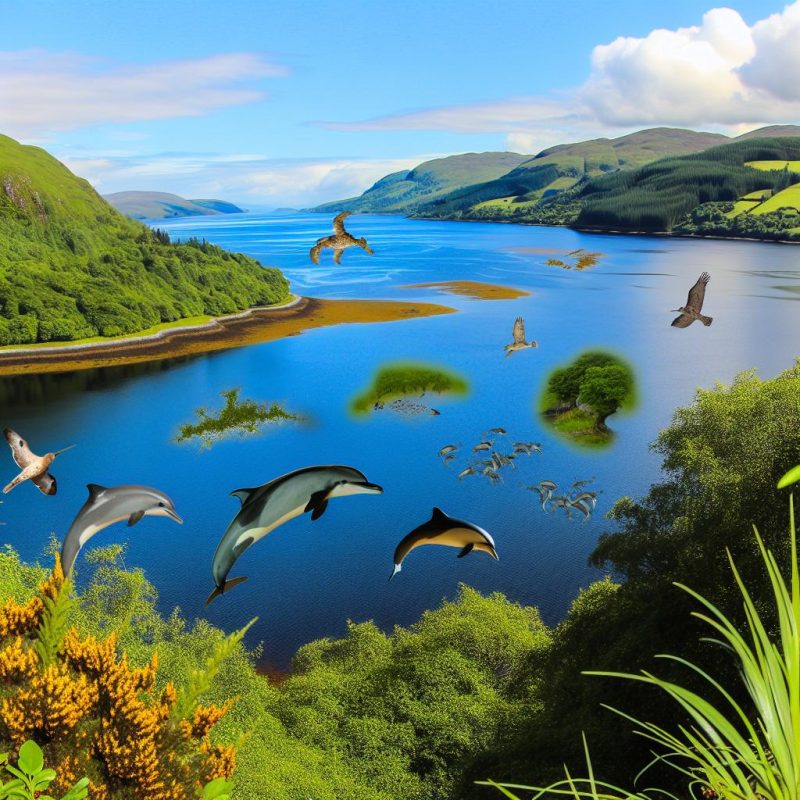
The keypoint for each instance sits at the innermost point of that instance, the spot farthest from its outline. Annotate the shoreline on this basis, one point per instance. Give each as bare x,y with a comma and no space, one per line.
253,326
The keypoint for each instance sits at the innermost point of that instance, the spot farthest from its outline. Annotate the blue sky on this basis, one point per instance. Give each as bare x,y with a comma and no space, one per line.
299,102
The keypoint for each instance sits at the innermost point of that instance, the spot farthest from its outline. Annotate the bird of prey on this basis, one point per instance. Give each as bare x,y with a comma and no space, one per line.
339,241
519,342
694,305
34,468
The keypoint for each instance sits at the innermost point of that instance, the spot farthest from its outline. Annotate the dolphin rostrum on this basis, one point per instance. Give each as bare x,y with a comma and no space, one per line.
444,530
266,507
107,505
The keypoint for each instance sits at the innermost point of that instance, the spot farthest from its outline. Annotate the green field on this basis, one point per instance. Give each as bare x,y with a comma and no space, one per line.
788,198
792,166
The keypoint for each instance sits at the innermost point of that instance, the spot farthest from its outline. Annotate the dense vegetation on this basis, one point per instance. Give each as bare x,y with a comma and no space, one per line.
480,687
72,267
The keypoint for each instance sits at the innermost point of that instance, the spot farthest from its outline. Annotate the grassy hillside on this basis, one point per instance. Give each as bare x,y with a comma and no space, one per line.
72,267
162,205
404,192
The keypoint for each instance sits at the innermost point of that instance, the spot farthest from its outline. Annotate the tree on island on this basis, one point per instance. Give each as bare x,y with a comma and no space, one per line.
605,389
565,383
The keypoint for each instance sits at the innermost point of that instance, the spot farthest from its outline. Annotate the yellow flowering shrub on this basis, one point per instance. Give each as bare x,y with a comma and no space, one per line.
94,715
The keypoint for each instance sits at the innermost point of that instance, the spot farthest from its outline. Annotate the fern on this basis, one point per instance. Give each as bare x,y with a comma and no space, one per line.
55,620
200,680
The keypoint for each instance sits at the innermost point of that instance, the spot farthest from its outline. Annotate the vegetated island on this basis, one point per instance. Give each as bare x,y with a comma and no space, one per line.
394,383
242,417
577,399
250,327
477,290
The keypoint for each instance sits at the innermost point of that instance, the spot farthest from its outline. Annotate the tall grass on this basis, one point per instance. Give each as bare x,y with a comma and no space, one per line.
722,750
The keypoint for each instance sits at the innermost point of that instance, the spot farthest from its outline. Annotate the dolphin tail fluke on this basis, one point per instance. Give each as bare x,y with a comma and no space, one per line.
397,568
227,586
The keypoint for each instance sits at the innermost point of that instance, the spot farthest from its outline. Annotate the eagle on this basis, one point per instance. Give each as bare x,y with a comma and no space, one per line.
519,342
339,241
694,305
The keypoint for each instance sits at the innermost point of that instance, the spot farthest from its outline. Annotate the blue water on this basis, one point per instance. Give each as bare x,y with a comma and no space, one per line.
307,579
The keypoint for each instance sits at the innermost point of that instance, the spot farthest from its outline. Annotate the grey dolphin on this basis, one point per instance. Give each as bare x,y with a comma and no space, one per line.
105,506
266,507
448,531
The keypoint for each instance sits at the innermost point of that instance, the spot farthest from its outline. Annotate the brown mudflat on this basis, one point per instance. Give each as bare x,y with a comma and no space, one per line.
477,290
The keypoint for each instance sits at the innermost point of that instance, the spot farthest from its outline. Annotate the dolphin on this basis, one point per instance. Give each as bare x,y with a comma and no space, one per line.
448,531
266,507
105,506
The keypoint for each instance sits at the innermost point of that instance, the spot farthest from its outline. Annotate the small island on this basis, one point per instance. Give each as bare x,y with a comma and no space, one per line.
475,290
240,417
395,383
578,398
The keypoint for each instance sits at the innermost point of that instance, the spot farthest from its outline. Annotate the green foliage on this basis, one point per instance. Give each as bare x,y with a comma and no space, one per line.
31,779
72,267
54,624
402,380
218,789
607,388
792,476
238,416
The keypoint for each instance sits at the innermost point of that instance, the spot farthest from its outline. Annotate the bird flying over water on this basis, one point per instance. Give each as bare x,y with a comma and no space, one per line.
694,305
339,241
34,468
519,342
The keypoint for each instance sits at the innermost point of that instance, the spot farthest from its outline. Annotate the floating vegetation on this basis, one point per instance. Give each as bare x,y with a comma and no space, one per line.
578,398
241,417
581,259
396,382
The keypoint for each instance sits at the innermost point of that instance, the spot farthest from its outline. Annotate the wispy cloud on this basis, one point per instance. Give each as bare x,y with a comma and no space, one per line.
43,92
238,177
720,73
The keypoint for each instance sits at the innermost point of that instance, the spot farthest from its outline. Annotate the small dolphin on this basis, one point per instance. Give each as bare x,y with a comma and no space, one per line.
586,497
482,446
448,448
444,530
105,506
497,431
266,507
581,506
465,472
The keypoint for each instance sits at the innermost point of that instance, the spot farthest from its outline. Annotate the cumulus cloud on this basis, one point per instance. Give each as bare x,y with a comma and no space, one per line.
720,73
42,92
244,178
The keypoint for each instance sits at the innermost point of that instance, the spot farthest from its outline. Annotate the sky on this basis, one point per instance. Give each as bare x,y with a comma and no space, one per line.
299,102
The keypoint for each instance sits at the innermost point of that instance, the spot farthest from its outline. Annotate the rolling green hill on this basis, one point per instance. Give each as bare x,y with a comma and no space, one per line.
403,192
162,205
73,267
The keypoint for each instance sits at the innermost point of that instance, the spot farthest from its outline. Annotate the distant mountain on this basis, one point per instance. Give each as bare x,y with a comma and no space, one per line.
403,192
771,131
73,267
558,168
162,205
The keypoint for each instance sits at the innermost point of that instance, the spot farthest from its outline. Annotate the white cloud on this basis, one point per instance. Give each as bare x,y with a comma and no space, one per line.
42,92
720,73
239,177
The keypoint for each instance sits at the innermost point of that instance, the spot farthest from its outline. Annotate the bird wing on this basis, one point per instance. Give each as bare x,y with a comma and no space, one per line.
315,251
20,451
697,293
46,483
519,331
338,223
683,321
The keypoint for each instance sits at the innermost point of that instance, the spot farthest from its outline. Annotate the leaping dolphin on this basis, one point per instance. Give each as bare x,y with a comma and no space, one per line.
445,530
266,507
105,506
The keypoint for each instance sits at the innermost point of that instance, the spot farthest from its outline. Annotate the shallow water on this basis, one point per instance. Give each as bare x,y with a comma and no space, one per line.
307,579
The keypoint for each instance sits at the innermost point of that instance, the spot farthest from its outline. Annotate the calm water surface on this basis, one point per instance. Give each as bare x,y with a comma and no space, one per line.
307,579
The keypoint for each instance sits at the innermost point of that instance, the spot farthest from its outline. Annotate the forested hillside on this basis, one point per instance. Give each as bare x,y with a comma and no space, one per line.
72,267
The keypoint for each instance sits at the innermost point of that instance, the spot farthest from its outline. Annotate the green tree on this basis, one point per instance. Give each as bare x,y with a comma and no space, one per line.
605,389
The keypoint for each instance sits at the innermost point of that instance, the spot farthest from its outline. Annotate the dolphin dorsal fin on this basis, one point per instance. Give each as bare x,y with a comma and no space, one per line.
94,490
438,515
244,494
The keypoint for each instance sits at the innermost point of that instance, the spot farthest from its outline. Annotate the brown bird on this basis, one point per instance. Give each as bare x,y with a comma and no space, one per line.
694,305
34,468
339,242
519,342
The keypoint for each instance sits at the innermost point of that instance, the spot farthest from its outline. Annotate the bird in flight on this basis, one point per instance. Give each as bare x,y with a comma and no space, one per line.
34,468
694,305
519,342
339,241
